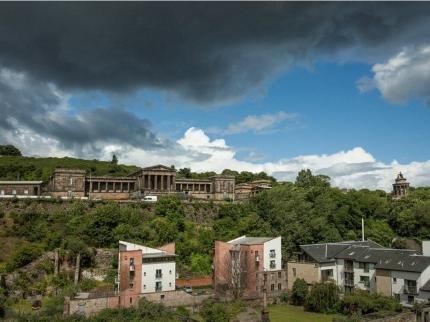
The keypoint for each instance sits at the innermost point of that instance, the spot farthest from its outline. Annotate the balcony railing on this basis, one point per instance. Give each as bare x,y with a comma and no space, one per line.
272,254
410,290
349,282
160,275
348,268
158,289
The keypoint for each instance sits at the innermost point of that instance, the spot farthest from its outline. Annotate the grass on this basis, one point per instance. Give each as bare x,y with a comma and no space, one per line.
290,313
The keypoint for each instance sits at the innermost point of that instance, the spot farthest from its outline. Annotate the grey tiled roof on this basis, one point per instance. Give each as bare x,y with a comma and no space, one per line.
369,252
426,286
327,252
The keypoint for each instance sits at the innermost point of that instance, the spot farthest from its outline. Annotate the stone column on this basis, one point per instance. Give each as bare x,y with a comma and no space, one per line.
91,186
98,186
128,186
169,187
121,187
142,187
155,182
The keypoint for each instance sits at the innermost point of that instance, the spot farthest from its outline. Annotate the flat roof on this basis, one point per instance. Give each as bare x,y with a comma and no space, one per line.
21,182
244,240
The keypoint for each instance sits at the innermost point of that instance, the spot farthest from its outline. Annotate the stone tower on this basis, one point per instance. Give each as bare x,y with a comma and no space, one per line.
400,187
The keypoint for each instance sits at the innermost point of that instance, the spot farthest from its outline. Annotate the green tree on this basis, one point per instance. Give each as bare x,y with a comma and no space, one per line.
323,297
114,159
299,292
201,264
184,173
9,150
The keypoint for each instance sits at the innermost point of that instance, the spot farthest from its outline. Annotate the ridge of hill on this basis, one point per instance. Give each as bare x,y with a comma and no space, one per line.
33,168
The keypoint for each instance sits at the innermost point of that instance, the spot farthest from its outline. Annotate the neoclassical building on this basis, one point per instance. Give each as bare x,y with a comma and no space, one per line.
155,180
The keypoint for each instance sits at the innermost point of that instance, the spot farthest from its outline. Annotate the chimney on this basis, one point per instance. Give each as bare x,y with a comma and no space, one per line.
426,247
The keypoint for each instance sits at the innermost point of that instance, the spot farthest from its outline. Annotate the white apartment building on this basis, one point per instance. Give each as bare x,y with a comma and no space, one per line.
143,269
365,265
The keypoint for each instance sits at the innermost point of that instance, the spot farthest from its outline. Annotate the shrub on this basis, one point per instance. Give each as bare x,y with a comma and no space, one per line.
23,256
362,302
300,292
283,298
323,297
87,284
214,312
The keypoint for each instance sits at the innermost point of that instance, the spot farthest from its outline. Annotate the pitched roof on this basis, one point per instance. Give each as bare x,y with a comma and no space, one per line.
426,286
369,252
159,167
327,252
21,182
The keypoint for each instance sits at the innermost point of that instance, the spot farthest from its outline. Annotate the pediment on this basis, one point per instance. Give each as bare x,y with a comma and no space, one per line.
158,167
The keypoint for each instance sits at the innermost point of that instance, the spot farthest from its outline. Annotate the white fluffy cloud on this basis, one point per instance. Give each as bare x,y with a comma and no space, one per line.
259,124
402,77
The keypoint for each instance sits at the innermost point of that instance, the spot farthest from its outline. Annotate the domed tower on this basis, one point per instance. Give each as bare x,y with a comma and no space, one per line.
400,187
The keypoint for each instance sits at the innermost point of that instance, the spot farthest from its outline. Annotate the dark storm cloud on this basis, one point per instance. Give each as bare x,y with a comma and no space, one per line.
207,52
28,103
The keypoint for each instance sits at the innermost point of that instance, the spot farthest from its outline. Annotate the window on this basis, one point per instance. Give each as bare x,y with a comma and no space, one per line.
144,286
170,272
131,300
272,264
397,297
272,253
294,272
279,286
365,280
144,273
272,287
411,299
279,275
394,280
162,297
170,284
158,273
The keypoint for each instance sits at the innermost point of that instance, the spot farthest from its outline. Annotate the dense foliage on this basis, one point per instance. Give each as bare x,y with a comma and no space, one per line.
299,292
323,298
9,150
362,302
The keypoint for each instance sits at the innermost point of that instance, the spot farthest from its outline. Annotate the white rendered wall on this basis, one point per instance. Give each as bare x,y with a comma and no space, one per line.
168,270
276,245
360,272
426,247
328,266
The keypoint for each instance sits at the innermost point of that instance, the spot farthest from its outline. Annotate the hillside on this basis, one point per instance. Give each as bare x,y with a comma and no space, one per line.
30,168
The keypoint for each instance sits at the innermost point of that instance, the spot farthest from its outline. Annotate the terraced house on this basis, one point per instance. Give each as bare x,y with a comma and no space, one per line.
366,265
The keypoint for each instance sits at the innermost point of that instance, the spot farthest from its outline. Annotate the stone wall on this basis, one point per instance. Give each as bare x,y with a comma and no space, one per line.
176,298
90,306
307,271
401,317
110,195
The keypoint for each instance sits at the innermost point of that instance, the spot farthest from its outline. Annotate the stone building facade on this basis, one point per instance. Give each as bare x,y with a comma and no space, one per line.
156,180
400,187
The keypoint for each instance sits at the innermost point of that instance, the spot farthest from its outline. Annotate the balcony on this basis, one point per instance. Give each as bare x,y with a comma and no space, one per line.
272,254
158,289
412,290
158,275
349,282
348,268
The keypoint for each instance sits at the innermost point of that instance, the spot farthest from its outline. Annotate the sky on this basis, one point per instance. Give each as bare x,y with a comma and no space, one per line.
340,88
